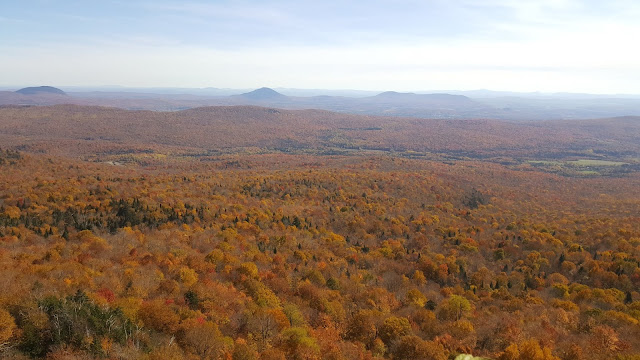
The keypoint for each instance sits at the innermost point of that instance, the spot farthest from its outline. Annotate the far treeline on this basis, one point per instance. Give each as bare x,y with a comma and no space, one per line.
91,131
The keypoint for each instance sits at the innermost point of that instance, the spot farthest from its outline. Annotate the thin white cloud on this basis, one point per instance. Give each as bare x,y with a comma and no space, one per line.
11,21
237,11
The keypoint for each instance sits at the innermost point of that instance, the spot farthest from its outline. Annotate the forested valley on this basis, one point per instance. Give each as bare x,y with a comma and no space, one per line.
178,247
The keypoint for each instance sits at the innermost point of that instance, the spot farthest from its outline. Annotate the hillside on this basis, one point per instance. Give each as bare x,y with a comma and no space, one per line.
261,233
280,256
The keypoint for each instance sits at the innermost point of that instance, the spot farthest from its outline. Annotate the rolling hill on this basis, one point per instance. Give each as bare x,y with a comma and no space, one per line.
72,128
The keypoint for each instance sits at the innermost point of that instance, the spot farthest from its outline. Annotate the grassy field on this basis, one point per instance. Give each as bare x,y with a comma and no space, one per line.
586,167
591,162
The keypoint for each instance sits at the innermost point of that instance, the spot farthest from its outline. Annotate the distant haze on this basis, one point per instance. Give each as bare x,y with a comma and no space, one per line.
405,45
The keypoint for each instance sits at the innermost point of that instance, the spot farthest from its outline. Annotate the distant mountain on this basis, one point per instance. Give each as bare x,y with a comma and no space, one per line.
263,94
416,99
399,95
40,90
392,94
36,96
439,105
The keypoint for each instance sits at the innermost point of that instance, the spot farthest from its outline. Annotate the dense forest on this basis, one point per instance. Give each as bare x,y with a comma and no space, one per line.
259,233
281,256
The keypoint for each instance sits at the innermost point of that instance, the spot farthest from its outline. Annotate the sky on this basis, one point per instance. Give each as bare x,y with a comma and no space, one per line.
400,45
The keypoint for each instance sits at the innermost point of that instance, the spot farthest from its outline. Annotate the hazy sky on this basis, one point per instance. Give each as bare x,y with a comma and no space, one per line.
402,45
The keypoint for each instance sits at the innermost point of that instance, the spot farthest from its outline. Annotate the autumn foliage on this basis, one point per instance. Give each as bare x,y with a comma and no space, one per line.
315,257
